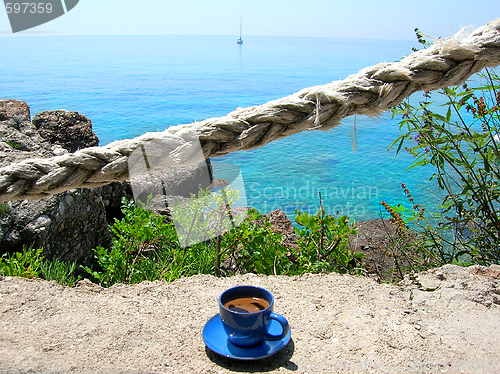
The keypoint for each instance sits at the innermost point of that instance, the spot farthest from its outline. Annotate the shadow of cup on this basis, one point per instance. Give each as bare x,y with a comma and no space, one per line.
280,359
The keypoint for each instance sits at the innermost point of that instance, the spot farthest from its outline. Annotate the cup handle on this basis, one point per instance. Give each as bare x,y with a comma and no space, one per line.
284,324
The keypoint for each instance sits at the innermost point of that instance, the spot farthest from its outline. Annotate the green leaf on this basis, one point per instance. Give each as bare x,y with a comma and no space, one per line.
448,114
400,145
487,167
418,163
399,139
450,91
439,117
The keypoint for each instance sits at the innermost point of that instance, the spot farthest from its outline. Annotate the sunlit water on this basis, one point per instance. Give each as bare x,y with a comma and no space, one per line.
128,85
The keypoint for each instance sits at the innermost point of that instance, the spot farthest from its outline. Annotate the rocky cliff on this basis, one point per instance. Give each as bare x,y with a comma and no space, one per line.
69,224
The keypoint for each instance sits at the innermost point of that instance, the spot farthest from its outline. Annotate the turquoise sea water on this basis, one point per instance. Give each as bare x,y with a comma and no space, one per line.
128,85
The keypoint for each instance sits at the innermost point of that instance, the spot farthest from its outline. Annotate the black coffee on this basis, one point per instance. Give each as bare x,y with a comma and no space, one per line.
247,304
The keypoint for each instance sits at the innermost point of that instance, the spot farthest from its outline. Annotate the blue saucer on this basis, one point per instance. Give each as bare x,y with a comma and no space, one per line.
216,339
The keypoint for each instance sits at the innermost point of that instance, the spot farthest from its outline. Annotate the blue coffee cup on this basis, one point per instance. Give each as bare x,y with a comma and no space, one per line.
249,329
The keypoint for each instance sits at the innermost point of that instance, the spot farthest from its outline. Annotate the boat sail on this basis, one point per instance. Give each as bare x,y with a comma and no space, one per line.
240,41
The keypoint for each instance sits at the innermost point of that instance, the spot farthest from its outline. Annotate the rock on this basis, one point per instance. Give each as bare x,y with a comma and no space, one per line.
182,181
112,195
14,108
40,224
477,284
160,204
282,225
377,239
70,130
19,138
69,225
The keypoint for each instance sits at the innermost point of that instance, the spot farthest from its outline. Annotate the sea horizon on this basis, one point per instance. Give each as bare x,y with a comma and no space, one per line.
53,34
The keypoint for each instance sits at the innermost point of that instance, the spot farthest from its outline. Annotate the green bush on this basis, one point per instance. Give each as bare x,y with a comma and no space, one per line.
465,226
30,264
22,264
139,234
206,218
59,271
254,248
324,243
146,246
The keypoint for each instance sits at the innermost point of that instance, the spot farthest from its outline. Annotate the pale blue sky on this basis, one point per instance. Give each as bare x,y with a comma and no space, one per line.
368,19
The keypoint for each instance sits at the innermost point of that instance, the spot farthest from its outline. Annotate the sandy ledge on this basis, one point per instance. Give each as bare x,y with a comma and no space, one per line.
449,319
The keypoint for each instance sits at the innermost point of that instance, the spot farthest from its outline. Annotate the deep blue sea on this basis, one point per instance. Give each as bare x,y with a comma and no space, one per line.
128,85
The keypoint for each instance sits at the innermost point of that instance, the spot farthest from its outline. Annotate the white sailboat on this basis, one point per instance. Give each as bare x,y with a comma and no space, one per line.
240,41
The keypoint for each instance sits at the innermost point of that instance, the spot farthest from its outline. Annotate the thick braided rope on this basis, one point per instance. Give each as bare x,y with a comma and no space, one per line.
371,91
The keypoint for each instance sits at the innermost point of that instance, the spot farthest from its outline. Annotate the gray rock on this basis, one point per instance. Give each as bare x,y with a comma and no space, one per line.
70,130
13,108
40,223
65,231
70,224
182,181
112,195
282,225
67,225
19,138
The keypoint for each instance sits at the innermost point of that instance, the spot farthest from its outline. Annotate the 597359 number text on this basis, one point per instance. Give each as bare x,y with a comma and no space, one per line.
28,8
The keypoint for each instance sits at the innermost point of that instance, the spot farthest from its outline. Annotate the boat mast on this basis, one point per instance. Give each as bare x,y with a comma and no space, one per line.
240,41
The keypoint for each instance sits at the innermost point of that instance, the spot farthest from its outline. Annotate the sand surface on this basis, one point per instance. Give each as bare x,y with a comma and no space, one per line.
447,320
